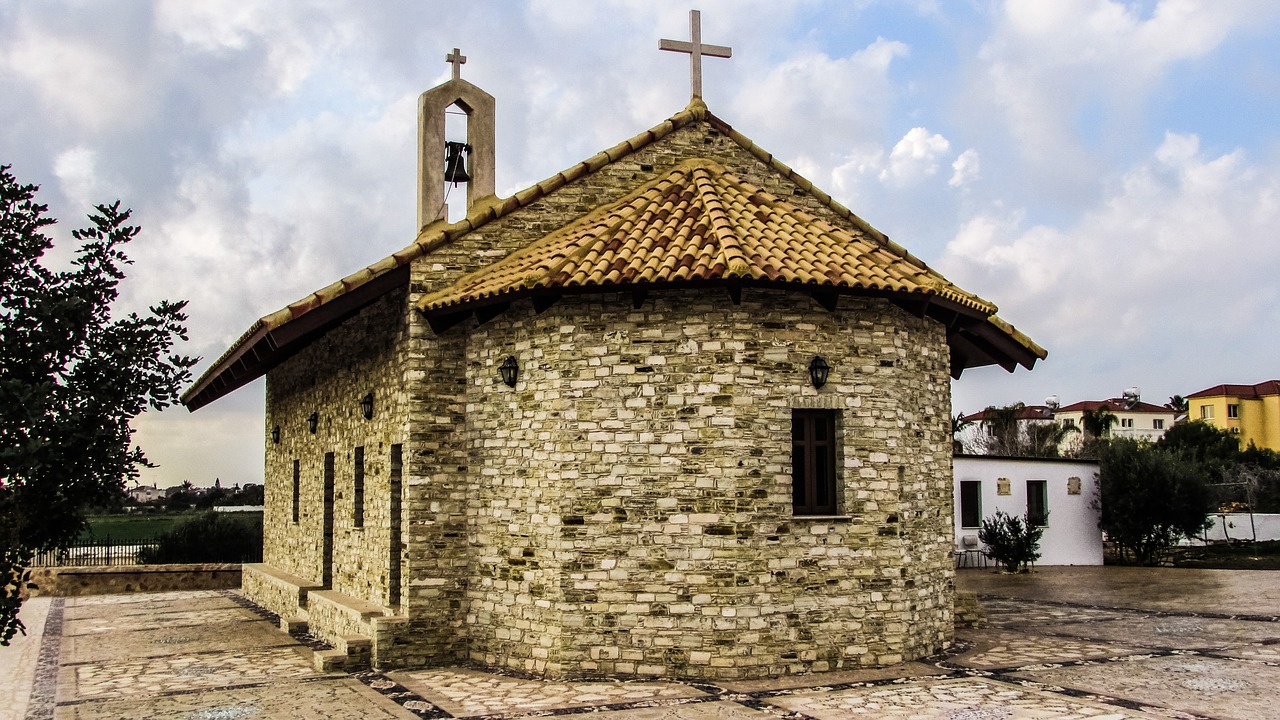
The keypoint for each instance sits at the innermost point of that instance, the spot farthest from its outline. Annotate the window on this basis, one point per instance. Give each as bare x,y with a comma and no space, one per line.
1126,422
297,488
813,462
1233,411
1069,422
1206,412
1038,502
357,490
1157,424
970,503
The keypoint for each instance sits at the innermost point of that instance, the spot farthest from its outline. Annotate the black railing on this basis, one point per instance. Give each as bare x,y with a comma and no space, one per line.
96,552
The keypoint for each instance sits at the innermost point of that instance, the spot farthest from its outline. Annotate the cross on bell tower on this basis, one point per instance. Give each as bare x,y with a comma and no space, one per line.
457,60
696,50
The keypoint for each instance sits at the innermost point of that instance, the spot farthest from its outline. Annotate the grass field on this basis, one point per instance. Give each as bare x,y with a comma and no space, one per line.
128,528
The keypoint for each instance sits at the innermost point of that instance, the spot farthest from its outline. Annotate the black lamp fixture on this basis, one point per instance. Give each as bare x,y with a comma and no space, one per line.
366,406
275,435
819,371
509,370
313,422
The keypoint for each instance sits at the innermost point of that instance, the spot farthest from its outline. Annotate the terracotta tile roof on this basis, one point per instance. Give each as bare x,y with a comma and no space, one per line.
276,336
698,222
1114,405
1026,412
1247,392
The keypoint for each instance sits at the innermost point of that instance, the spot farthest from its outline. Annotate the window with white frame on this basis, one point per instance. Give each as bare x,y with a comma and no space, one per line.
1157,424
1206,412
1233,411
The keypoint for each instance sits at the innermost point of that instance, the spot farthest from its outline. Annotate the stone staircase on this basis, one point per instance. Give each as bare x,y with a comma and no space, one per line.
353,627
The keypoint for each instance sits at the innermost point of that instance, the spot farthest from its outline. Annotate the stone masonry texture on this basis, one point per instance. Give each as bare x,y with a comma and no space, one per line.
626,508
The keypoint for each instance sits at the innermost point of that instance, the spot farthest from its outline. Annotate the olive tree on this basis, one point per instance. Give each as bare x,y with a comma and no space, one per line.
72,377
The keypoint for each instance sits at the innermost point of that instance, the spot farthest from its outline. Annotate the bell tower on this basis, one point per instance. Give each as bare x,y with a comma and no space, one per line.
472,163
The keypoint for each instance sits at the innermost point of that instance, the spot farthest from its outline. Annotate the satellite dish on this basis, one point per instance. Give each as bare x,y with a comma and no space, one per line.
1132,396
1052,402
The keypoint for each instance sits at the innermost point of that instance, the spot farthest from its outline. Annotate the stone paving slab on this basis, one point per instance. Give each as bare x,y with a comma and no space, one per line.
835,677
113,679
133,623
228,635
465,693
1214,687
1010,613
335,698
1174,631
969,698
206,656
688,711
147,604
992,649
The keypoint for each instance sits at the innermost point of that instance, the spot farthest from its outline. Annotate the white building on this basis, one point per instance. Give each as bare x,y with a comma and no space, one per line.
1134,419
145,493
1066,491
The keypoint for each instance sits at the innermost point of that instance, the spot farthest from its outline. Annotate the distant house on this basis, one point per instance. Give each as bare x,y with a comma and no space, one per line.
1134,418
1250,411
145,493
1061,492
975,436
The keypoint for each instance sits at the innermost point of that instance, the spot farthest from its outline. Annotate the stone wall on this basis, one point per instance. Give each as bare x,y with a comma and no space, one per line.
75,581
366,353
631,511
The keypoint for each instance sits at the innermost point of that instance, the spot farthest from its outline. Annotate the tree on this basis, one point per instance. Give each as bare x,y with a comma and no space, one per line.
1150,497
71,379
958,425
1007,434
1096,424
1012,541
1178,404
1202,442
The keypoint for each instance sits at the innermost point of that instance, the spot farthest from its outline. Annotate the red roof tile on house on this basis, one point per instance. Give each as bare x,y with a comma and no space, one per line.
1245,392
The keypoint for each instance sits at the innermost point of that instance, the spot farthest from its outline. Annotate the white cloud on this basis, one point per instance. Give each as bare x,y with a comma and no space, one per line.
1049,66
1175,250
914,157
966,169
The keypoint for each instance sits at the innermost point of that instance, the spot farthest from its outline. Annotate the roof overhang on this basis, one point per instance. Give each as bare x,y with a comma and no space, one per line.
264,347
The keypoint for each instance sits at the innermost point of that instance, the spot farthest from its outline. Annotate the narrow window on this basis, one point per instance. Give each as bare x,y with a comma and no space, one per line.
813,462
393,580
1037,503
1233,411
970,503
297,488
357,491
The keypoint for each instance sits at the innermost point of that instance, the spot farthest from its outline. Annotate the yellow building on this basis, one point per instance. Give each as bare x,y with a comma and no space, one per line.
1250,411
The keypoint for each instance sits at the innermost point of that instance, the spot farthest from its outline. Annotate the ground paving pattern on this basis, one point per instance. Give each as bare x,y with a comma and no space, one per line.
1043,654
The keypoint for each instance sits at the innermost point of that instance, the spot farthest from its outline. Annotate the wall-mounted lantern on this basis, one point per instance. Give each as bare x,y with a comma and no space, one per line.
313,422
819,371
366,406
509,370
275,435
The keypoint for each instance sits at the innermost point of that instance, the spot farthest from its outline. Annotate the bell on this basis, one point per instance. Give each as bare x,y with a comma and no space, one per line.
455,166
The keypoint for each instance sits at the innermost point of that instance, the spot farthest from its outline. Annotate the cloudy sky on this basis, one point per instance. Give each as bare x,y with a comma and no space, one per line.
1108,173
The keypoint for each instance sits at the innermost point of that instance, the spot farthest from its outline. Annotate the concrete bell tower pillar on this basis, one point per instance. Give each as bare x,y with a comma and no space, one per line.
480,108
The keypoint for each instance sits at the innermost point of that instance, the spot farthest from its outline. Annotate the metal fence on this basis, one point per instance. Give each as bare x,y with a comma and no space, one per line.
97,552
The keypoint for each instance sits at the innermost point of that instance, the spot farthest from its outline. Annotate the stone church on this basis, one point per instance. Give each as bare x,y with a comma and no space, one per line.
671,411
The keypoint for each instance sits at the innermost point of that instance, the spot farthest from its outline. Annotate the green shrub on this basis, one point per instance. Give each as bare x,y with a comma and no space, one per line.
1012,541
208,538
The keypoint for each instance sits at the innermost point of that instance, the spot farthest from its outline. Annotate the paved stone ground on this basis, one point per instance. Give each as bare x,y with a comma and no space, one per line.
1063,643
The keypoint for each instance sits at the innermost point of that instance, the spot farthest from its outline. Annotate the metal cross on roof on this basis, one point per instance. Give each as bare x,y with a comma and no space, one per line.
696,50
457,59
